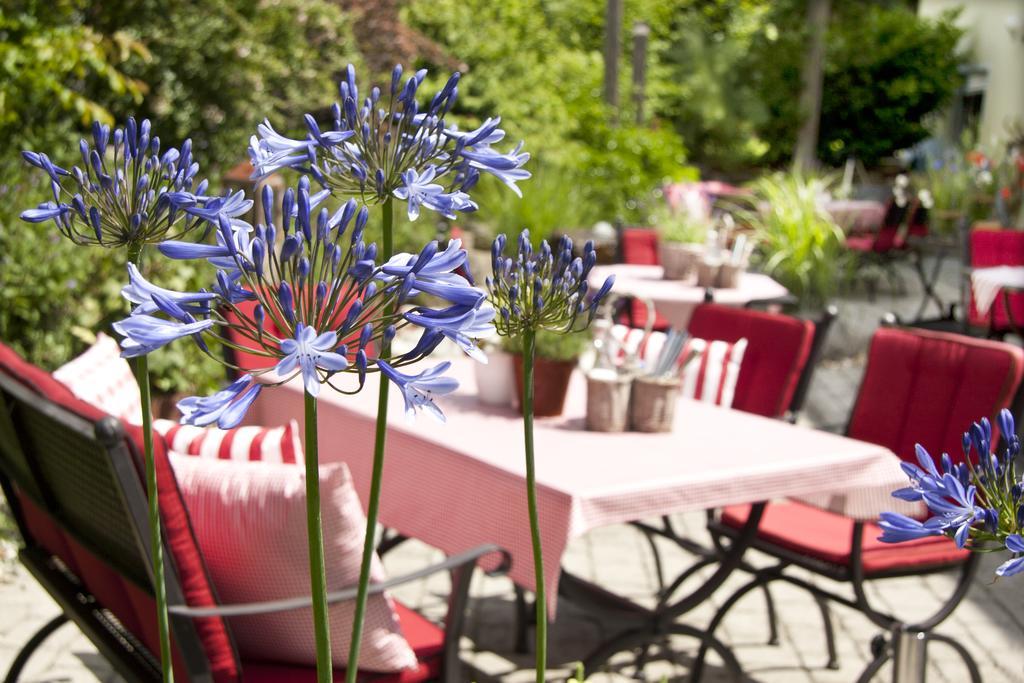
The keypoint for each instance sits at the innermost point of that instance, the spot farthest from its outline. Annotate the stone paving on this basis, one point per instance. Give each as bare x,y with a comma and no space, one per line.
990,623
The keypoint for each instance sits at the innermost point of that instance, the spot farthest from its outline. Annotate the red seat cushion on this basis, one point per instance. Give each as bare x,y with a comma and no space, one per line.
177,528
426,639
997,248
927,387
826,536
777,352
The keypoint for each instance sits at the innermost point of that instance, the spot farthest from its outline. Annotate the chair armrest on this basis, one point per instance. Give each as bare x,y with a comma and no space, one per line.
459,561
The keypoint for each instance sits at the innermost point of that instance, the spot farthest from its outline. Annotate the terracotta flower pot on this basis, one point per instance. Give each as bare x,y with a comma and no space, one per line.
550,384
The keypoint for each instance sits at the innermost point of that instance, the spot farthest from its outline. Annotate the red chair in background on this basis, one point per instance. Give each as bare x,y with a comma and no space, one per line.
996,247
885,247
639,246
896,407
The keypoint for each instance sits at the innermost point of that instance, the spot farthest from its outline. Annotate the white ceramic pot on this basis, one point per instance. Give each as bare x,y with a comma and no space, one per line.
495,380
679,260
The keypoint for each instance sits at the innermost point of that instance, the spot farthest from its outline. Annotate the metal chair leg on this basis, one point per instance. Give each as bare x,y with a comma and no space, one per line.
522,622
972,666
34,642
773,619
830,633
659,568
880,659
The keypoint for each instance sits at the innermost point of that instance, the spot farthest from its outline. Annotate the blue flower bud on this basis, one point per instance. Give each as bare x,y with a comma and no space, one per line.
303,269
396,78
284,296
321,225
365,334
389,334
290,248
287,207
257,256
354,311
259,315
321,293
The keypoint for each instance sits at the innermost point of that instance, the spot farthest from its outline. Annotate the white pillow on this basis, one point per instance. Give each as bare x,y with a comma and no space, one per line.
250,522
102,378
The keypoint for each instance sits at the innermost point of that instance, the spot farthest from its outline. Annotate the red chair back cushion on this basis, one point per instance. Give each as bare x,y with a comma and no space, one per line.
102,580
777,351
927,387
997,248
640,246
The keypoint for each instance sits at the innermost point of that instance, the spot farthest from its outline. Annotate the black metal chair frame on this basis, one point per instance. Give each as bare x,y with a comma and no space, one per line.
19,467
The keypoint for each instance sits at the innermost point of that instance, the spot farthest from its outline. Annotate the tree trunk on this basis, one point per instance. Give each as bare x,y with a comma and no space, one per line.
805,155
612,41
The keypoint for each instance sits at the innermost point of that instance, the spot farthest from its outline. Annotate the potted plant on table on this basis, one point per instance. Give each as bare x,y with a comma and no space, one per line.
681,236
557,355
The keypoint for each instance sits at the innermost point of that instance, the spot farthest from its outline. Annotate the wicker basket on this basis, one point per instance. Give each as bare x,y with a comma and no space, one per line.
608,401
653,404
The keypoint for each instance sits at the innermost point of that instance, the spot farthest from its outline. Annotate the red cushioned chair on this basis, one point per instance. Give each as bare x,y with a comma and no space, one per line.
775,367
71,475
997,247
919,387
639,246
885,247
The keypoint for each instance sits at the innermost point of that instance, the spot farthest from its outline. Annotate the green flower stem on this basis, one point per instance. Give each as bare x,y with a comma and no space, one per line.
529,348
314,531
373,503
140,366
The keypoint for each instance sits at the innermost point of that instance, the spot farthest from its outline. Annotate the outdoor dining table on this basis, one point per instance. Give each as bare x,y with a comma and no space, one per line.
675,300
459,484
987,283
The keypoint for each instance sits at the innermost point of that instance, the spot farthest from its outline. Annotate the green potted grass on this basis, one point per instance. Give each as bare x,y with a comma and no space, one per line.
681,237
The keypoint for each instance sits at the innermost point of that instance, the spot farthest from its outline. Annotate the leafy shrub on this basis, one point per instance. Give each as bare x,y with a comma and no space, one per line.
799,244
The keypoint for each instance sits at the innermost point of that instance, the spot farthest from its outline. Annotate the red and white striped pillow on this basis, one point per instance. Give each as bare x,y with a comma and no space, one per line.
249,519
101,377
266,444
713,368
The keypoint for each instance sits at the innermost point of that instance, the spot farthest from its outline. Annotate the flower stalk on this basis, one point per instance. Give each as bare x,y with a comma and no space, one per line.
314,531
140,367
529,353
373,503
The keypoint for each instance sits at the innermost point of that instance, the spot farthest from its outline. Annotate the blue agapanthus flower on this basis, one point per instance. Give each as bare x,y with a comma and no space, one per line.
320,305
128,190
419,390
542,289
385,145
977,502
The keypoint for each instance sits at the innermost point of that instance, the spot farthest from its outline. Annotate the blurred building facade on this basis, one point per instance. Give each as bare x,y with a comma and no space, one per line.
991,102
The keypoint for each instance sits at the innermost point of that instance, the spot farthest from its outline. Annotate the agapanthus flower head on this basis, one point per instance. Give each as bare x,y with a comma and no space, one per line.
386,144
543,288
128,191
977,502
309,297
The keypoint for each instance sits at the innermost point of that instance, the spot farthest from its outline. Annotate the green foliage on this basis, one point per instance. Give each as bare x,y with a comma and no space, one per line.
549,92
56,72
799,244
554,200
57,295
552,345
219,67
886,69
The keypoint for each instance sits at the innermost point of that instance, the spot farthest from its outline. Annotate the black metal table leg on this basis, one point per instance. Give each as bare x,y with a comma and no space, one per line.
928,281
32,645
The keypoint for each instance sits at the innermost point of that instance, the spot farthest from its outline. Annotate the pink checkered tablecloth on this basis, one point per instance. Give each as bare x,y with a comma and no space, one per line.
676,300
460,484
